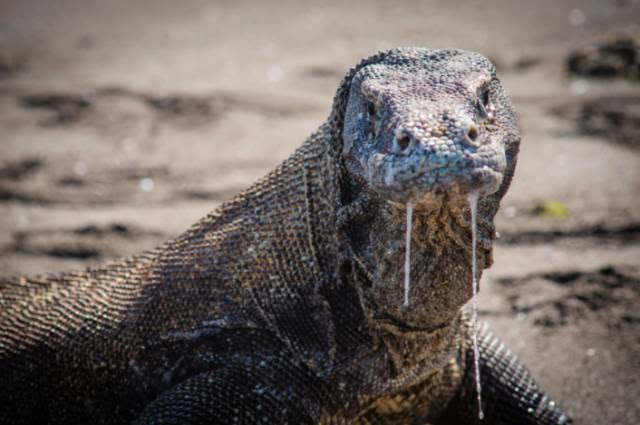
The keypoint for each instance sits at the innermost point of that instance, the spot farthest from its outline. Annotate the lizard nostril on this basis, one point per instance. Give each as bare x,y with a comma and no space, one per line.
403,141
472,133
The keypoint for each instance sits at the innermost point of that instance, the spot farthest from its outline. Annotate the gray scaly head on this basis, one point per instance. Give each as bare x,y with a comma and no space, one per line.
425,127
423,121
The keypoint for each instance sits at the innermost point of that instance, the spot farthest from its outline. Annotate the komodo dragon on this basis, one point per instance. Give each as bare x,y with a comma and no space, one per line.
285,305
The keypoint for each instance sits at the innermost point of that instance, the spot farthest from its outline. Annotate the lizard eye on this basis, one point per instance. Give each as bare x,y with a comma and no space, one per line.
371,109
484,97
483,100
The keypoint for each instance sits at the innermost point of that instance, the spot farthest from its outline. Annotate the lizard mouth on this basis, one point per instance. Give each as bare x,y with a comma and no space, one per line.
449,188
402,187
484,180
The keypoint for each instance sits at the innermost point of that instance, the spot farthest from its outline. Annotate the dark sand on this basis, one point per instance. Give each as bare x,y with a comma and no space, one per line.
120,125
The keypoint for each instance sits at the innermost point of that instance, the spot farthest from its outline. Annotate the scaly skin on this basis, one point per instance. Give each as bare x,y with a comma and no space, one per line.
285,304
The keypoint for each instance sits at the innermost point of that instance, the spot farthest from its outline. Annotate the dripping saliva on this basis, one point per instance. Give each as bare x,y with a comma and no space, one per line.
407,255
473,206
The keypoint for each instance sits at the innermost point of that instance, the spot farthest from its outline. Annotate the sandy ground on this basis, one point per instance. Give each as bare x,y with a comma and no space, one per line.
121,123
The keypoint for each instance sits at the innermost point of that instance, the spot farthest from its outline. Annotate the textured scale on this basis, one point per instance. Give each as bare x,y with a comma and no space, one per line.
283,305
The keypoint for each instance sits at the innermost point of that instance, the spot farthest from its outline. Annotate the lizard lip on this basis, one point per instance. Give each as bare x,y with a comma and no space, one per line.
483,179
442,183
400,182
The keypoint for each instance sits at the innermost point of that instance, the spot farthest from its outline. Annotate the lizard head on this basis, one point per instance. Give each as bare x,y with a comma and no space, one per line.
422,122
425,127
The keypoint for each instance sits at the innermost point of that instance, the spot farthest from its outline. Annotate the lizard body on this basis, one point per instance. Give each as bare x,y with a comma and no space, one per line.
285,304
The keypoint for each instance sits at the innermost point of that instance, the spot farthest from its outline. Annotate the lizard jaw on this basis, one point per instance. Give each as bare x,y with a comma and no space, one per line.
428,192
402,180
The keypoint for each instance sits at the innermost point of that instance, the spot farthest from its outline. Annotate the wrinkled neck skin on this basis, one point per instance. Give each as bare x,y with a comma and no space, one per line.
441,281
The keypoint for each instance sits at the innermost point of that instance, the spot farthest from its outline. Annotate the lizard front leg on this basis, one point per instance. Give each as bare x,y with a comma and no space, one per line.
246,391
232,375
509,393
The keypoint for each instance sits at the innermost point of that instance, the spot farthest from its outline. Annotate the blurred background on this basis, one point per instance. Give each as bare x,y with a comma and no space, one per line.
123,122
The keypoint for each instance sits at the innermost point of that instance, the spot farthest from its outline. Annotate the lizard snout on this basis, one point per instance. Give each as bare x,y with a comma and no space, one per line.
426,158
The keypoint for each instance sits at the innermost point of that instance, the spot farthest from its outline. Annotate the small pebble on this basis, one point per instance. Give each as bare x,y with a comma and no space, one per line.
577,17
146,184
